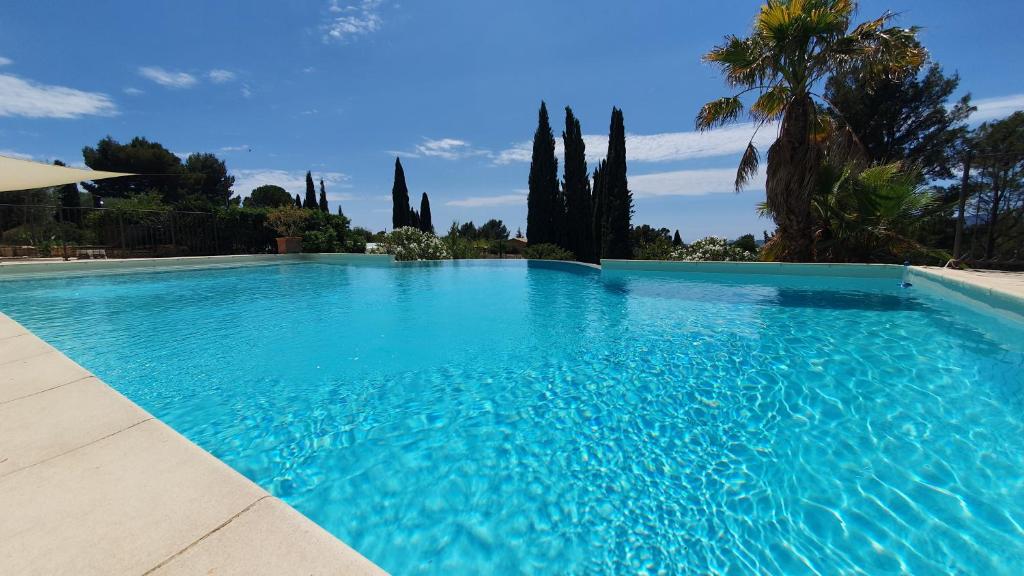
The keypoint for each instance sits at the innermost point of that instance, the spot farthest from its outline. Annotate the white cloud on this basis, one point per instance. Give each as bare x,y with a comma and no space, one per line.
219,76
239,148
167,77
20,97
690,182
5,61
132,91
15,154
997,108
447,148
517,198
352,20
246,91
664,147
291,180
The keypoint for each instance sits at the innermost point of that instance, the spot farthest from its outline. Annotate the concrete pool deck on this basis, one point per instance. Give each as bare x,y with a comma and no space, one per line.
92,484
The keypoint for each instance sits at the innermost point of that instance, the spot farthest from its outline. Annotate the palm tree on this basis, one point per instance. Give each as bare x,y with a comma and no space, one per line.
794,47
867,214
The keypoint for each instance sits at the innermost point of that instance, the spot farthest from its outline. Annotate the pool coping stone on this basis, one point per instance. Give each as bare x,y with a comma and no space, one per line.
90,483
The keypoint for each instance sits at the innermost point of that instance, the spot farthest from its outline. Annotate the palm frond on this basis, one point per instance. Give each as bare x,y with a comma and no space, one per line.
719,112
748,166
771,104
742,60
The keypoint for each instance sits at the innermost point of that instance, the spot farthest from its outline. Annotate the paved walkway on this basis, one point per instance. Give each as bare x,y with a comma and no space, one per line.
92,484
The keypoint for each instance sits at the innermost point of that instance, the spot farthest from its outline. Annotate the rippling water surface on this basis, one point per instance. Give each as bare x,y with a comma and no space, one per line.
509,418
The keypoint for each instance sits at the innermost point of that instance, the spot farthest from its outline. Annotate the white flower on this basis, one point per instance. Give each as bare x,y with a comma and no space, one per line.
712,248
408,243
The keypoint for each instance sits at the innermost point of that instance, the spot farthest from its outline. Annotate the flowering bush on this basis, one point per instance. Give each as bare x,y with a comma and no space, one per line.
713,248
410,243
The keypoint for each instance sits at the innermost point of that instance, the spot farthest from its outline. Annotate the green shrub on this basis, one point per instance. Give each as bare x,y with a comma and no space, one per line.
658,249
547,252
319,241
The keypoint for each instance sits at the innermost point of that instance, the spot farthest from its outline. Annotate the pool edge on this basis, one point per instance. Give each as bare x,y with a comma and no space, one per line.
64,515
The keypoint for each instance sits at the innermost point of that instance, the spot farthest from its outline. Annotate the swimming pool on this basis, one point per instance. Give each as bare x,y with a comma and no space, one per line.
514,417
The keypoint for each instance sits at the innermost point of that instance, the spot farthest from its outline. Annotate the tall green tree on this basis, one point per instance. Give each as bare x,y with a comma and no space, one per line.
426,224
600,199
904,120
579,211
323,198
399,198
618,200
543,210
677,240
207,178
998,148
493,229
310,202
794,46
159,169
268,196
298,201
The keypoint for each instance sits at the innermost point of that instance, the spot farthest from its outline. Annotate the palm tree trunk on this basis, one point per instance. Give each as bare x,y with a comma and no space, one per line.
793,162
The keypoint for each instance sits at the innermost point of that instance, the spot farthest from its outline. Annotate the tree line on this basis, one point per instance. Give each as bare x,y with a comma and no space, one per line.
138,208
588,221
402,213
867,169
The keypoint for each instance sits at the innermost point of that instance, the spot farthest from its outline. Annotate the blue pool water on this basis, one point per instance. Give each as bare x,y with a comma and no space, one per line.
509,418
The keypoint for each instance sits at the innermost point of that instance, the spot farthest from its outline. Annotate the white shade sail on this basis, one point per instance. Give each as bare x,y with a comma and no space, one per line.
18,174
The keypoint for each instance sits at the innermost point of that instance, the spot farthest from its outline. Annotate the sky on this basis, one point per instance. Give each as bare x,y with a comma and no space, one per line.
451,86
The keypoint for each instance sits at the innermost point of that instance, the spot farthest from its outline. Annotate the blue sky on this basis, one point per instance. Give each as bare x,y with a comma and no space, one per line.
340,88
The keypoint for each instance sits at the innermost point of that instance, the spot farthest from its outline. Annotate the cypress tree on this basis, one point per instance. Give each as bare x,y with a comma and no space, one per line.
414,218
323,198
425,224
677,240
542,203
298,201
579,213
599,200
340,213
399,198
310,201
618,206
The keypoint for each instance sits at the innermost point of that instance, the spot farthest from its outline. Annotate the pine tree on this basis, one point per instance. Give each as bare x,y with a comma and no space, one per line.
323,198
618,205
677,240
425,224
399,199
600,199
310,201
414,218
340,213
298,201
542,203
579,211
